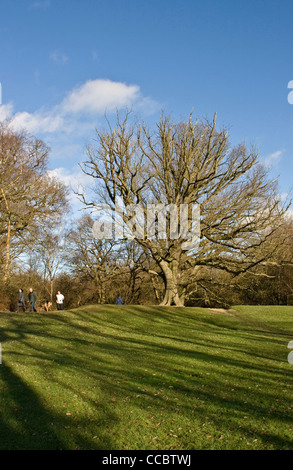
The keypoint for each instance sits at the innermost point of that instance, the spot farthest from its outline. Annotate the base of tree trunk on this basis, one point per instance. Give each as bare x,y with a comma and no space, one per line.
172,299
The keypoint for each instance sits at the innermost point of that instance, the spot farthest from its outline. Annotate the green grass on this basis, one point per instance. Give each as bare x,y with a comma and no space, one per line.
133,377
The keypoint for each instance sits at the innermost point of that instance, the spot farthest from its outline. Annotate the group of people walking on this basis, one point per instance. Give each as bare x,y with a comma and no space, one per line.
32,298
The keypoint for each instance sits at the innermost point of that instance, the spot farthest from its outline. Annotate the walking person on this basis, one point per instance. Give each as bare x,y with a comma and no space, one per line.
32,297
119,301
21,300
59,300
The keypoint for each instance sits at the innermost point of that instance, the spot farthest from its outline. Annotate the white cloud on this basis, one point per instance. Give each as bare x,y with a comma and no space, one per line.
59,57
273,159
96,96
6,111
38,121
74,178
78,110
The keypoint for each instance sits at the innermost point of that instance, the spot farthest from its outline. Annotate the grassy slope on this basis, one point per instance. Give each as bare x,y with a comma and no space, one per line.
131,377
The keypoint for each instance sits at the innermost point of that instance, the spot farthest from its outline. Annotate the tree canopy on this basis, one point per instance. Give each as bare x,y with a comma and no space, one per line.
187,164
28,196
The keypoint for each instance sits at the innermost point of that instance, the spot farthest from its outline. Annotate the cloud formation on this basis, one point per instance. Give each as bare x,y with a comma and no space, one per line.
59,57
273,159
6,111
80,106
96,96
74,178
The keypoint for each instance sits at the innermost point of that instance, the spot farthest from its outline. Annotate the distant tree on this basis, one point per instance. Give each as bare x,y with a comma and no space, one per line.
271,282
91,259
47,241
188,163
133,265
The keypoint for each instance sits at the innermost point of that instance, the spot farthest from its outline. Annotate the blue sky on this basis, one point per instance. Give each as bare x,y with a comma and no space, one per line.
63,62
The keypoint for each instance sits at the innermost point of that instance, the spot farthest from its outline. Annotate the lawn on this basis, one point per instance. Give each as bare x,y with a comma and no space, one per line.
137,377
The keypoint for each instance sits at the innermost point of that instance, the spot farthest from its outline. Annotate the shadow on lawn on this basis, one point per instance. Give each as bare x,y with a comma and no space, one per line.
26,420
26,424
125,367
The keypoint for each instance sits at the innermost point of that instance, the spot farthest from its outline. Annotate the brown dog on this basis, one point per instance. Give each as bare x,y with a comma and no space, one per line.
46,305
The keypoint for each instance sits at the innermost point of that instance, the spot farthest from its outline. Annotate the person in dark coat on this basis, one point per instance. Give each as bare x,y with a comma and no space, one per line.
21,300
32,297
119,301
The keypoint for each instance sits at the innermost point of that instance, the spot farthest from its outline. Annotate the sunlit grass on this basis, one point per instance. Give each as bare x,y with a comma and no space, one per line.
109,377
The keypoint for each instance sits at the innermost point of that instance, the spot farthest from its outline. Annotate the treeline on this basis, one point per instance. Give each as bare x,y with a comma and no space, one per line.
91,271
246,240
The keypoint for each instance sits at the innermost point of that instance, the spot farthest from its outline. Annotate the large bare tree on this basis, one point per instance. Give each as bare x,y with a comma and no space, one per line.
187,164
27,194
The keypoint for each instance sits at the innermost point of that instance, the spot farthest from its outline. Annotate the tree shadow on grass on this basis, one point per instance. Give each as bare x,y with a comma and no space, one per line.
26,424
116,363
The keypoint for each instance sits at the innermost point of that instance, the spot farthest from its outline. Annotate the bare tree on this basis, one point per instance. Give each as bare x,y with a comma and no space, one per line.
188,164
27,194
88,258
48,241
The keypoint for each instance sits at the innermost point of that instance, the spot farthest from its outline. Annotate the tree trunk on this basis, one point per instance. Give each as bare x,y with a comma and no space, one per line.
171,275
51,288
100,286
155,289
7,255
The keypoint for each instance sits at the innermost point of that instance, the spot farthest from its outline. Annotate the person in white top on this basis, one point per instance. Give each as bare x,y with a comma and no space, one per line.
59,300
